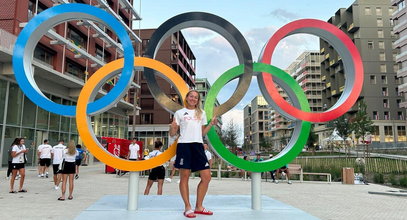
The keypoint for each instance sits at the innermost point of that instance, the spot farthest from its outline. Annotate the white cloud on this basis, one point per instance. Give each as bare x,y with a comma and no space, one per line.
283,15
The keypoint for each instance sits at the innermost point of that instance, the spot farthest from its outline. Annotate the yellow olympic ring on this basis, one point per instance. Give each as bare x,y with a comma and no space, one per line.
87,135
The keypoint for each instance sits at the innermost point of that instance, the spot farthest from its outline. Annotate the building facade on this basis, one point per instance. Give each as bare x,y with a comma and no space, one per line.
62,63
152,121
368,24
306,70
202,85
399,18
256,125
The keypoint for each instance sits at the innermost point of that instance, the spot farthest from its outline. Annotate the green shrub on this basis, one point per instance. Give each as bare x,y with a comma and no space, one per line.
403,181
378,178
392,180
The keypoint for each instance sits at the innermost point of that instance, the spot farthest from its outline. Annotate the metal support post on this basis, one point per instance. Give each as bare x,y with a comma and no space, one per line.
256,191
132,201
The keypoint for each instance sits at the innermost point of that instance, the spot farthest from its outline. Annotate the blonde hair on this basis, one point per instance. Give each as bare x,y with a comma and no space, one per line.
198,109
71,148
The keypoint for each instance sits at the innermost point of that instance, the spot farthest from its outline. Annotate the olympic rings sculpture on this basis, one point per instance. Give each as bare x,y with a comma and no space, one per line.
298,110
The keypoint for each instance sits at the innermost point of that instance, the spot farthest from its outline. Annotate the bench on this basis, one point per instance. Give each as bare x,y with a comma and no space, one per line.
297,169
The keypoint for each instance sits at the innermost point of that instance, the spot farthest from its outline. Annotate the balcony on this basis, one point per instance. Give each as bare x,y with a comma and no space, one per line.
328,85
353,28
341,88
398,13
403,88
327,56
400,27
322,50
333,92
394,2
402,72
323,78
400,42
401,57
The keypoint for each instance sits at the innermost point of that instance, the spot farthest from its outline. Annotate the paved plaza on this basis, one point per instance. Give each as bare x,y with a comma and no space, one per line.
322,200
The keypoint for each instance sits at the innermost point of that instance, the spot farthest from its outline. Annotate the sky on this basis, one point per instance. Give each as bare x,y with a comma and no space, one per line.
256,20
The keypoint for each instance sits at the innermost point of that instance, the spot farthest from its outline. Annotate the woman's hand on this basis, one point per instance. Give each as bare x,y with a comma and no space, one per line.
173,127
214,120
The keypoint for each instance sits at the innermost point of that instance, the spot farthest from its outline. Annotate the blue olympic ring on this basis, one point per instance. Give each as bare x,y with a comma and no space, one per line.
44,21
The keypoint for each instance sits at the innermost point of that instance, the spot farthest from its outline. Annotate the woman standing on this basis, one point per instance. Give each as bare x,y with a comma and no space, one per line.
191,121
18,164
68,170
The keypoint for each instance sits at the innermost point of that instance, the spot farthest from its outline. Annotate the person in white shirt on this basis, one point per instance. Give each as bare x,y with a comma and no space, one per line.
192,123
134,151
18,163
68,170
57,155
208,154
157,173
44,153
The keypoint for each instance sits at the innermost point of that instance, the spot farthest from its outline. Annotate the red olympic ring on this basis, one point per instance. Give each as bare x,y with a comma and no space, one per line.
336,111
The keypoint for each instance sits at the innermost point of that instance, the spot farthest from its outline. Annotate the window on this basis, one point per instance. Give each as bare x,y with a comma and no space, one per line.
394,56
382,56
386,115
147,103
43,54
383,68
372,79
370,45
379,22
400,116
75,69
397,80
391,10
385,91
378,11
102,54
385,103
375,115
388,133
398,101
384,79
380,34
401,133
368,11
397,92
376,133
76,37
396,68
146,118
381,45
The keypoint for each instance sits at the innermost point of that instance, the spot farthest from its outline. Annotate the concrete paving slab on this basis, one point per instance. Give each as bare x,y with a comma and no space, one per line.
171,207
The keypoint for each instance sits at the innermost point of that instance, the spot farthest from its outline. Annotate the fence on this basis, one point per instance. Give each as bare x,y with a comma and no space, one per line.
373,164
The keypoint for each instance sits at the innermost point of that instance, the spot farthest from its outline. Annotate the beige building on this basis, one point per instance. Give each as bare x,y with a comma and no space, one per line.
256,124
368,24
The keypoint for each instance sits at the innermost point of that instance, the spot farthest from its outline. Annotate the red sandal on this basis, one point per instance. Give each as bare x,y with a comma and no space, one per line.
204,212
189,214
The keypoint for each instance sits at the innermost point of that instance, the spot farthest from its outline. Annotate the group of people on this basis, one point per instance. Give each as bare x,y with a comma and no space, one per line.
65,162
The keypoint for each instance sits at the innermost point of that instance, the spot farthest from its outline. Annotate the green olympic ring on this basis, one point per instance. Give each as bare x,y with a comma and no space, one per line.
285,156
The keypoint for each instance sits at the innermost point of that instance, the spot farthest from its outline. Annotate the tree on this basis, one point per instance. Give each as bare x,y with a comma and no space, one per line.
265,143
230,135
361,123
343,128
312,139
